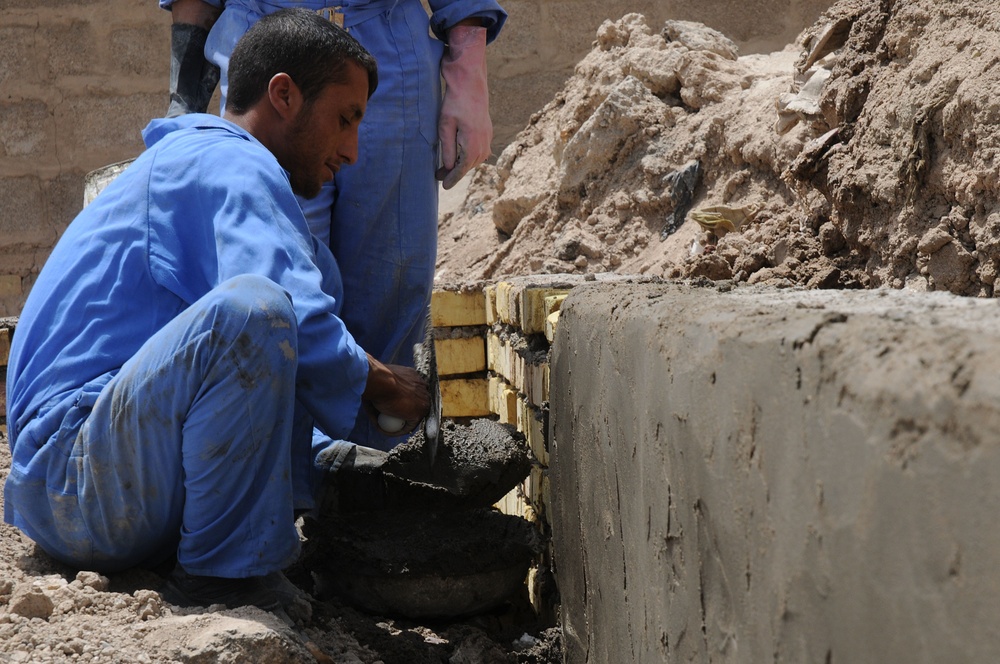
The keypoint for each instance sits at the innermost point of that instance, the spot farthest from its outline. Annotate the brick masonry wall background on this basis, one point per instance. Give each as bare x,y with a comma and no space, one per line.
79,80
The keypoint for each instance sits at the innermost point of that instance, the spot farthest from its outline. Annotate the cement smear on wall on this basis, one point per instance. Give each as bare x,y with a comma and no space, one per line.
785,476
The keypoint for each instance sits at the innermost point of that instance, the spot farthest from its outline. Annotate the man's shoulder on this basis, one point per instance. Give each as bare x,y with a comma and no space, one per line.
214,149
197,130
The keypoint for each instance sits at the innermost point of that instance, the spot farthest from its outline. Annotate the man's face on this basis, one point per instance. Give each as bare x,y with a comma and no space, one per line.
324,135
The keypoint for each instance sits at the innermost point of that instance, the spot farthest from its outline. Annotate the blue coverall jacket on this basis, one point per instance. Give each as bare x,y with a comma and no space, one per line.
171,361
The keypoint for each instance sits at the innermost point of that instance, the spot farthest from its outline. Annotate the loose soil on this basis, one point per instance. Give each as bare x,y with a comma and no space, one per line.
864,155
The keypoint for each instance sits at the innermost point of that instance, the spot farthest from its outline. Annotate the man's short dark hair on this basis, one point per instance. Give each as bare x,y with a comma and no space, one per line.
313,51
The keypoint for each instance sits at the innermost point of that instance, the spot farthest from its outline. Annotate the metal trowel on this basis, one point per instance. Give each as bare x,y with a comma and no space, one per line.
428,361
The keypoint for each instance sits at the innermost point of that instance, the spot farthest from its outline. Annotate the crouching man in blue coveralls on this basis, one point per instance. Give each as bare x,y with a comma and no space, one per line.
183,338
380,218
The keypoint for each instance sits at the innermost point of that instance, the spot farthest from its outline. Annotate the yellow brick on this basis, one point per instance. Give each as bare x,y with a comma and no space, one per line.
507,405
534,308
4,347
508,504
546,382
464,397
530,422
505,310
534,594
454,309
553,303
490,295
493,391
502,400
533,487
551,323
534,383
494,347
460,356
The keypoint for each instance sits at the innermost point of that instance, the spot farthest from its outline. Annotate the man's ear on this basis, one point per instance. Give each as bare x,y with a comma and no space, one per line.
284,95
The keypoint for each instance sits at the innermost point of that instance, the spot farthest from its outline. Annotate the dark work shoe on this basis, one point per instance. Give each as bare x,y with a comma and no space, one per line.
183,589
293,599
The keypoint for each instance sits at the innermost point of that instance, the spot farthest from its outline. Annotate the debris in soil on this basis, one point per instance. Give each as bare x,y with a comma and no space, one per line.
868,149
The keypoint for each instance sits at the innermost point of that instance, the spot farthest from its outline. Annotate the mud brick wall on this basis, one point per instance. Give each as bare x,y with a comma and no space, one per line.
78,82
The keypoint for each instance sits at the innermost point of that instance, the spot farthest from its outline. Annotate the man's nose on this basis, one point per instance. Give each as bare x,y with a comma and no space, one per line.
349,147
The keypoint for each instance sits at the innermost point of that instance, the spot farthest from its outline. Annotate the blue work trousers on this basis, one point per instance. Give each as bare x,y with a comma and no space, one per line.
193,447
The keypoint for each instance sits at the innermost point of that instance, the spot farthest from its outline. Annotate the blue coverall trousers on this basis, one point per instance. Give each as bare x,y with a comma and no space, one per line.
192,447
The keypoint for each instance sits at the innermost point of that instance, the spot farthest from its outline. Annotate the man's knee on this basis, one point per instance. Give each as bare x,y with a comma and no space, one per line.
253,294
257,317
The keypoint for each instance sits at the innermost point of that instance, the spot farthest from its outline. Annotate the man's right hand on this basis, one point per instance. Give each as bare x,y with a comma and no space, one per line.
396,391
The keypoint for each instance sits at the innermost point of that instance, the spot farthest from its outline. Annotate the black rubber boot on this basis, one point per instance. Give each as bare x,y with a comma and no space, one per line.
192,78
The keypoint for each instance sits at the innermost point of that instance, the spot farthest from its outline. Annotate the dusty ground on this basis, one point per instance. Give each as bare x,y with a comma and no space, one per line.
49,613
864,155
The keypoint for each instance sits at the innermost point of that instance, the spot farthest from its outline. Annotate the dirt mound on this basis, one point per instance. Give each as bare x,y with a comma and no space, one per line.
860,156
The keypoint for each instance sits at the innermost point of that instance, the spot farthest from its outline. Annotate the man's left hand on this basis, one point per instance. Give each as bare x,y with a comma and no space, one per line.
464,128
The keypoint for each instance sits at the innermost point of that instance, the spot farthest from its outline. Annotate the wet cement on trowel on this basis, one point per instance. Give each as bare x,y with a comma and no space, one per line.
476,465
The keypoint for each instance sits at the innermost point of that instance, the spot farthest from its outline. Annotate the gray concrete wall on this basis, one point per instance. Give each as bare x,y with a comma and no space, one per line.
776,476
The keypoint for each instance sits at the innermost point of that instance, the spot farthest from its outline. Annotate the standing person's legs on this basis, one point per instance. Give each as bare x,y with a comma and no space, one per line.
187,448
384,230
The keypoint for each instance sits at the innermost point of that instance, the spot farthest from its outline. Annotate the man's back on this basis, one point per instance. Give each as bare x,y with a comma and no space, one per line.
137,256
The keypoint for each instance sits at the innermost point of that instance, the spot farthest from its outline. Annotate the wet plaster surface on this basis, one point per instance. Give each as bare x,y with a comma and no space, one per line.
762,475
421,540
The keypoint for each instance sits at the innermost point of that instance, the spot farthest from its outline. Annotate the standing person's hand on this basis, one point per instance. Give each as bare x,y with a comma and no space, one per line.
394,391
464,128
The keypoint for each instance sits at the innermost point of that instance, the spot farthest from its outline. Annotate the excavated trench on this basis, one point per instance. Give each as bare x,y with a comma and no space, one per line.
422,541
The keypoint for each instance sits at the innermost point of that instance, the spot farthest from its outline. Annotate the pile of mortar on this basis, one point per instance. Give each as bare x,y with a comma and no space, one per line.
421,540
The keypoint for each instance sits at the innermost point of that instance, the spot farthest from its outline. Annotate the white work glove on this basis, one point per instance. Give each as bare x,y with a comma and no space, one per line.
464,128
